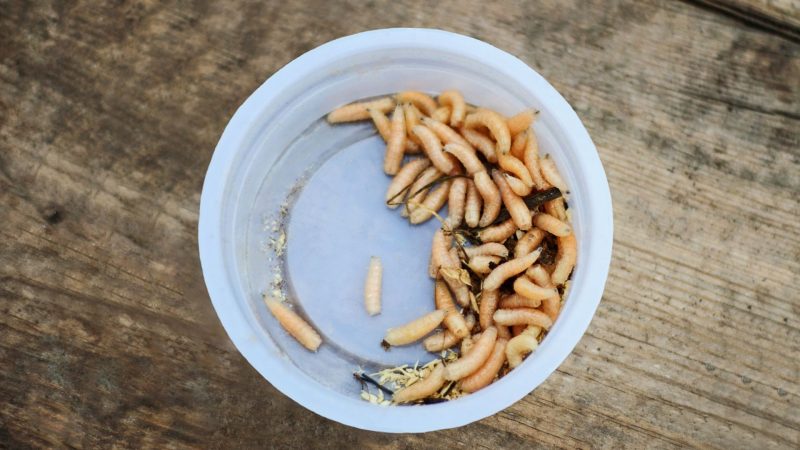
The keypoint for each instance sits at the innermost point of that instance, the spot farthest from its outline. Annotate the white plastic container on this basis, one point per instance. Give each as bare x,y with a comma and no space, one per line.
338,220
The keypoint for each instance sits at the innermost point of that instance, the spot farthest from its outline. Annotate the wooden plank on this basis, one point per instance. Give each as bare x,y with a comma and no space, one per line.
780,16
109,114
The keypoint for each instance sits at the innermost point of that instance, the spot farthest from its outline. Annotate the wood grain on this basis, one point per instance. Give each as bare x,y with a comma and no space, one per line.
109,113
778,16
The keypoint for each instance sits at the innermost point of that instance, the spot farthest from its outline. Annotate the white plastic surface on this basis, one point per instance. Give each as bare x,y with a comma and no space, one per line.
338,220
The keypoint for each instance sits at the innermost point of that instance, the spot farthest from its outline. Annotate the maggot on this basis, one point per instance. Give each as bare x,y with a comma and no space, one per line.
433,202
520,122
372,286
497,127
515,206
550,305
527,288
491,198
499,232
488,249
474,359
522,316
445,133
521,345
442,340
414,330
404,178
565,259
531,160
395,146
453,319
455,101
552,225
472,208
422,388
294,324
508,269
456,202
433,148
489,370
360,110
424,102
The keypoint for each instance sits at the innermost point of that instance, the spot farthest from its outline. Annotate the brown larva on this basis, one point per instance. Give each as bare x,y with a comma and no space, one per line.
440,248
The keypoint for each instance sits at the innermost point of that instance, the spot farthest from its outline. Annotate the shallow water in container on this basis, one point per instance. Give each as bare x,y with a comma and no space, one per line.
337,223
337,220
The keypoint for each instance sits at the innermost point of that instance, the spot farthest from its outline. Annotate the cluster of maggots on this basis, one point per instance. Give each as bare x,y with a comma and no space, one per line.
501,259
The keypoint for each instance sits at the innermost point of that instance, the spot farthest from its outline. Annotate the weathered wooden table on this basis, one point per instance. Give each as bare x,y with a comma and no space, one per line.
109,113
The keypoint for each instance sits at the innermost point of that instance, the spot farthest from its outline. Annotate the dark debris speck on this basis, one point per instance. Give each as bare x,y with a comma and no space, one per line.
52,215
